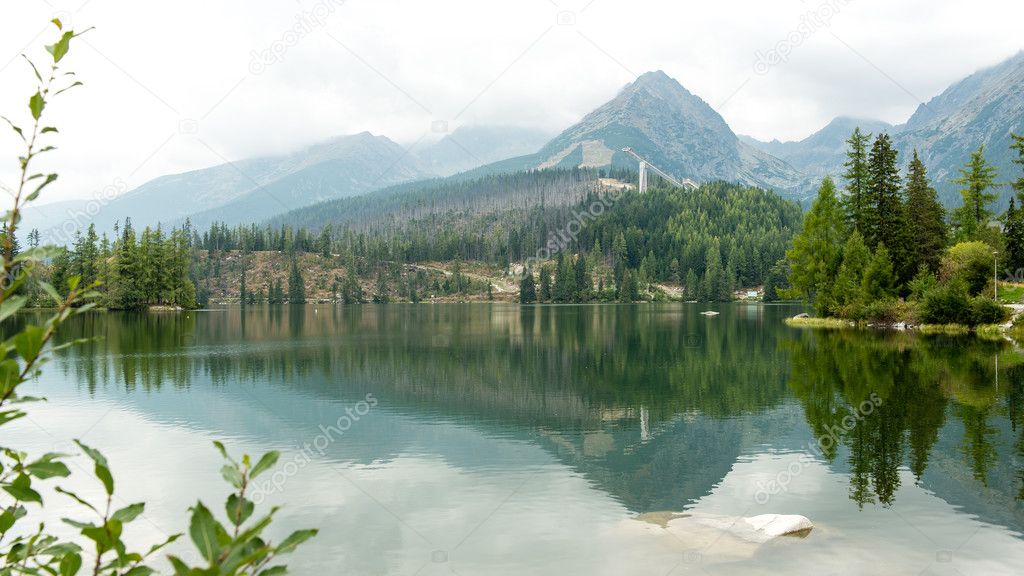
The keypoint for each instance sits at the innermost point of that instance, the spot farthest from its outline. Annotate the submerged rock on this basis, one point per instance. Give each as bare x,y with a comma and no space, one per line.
733,536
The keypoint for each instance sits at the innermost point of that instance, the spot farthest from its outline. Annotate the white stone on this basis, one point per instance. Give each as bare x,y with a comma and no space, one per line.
779,524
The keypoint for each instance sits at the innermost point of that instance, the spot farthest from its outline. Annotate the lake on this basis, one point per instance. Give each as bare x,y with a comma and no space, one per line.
498,439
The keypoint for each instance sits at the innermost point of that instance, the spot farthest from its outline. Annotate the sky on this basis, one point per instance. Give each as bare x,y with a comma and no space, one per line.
177,86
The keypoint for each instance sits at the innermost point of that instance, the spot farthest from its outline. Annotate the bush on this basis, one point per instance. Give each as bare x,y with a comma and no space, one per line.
948,304
971,262
951,304
987,311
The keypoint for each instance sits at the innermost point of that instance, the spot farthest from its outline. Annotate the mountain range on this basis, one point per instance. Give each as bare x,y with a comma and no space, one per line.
982,109
654,115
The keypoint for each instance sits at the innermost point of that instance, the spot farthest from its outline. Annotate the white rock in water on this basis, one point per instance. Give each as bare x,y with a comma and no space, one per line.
779,524
710,313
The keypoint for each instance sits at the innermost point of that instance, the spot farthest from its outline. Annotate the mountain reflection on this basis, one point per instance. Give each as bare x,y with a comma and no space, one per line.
653,404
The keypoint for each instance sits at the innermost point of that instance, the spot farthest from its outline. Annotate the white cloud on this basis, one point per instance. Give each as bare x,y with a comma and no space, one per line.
405,63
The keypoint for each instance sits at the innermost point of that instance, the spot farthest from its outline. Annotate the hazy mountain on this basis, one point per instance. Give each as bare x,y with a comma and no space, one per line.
674,129
253,190
983,108
823,152
471,146
245,191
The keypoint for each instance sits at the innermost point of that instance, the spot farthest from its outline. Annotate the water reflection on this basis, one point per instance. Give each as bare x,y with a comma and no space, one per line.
654,405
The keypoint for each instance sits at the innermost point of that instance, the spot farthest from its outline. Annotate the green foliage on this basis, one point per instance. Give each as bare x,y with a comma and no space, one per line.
926,221
977,177
856,176
971,262
527,289
1013,238
815,256
296,285
26,544
952,304
884,218
879,281
856,257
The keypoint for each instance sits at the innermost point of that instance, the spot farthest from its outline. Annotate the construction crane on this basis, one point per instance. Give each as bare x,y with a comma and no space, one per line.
644,164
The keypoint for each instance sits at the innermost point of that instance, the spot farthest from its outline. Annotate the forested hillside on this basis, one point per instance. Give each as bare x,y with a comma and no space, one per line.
471,238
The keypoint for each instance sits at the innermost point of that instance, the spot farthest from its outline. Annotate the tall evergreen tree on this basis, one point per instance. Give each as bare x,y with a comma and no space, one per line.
856,256
1018,184
815,256
884,217
545,284
926,220
1013,239
879,281
242,295
856,176
976,177
527,289
296,285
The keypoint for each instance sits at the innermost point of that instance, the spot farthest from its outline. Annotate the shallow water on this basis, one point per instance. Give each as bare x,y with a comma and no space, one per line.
493,439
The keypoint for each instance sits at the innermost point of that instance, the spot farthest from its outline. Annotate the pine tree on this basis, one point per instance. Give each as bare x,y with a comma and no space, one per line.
583,283
712,282
1018,184
545,284
856,178
856,257
527,290
692,285
926,220
382,293
884,216
565,280
976,177
629,291
879,280
296,285
815,256
1013,239
241,291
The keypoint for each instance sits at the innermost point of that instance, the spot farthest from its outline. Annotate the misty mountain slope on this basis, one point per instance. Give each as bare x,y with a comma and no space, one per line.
468,197
246,190
983,108
672,128
471,146
823,152
345,167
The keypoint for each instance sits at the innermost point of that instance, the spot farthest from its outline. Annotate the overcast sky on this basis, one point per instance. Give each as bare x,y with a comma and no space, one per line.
176,86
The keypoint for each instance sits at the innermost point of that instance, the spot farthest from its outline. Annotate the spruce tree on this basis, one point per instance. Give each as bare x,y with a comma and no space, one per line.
976,177
879,282
1018,184
1013,240
527,290
885,219
926,220
815,256
545,284
241,290
296,285
629,291
582,283
856,177
856,256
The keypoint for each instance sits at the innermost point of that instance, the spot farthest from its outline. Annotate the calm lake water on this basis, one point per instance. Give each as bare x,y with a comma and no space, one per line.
493,439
